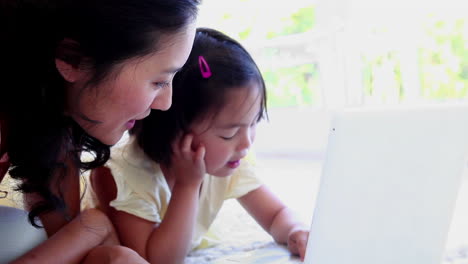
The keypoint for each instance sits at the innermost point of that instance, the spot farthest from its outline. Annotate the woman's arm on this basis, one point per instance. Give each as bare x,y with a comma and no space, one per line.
52,221
70,188
72,243
89,238
277,219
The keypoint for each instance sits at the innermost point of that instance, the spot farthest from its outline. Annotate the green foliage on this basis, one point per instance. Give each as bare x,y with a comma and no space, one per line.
298,22
442,65
442,54
252,21
444,60
372,70
293,86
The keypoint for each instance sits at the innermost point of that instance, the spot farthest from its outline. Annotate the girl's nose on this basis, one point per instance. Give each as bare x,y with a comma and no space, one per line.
246,141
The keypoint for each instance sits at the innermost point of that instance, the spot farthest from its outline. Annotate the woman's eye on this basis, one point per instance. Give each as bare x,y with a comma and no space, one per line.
161,85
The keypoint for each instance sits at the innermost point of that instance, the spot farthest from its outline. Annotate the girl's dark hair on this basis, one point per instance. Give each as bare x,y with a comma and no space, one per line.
101,34
195,97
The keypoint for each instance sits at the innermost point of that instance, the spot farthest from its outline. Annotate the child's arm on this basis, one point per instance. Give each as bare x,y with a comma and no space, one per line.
276,219
168,242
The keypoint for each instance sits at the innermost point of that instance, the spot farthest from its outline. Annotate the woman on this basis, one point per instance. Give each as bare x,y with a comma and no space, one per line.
79,73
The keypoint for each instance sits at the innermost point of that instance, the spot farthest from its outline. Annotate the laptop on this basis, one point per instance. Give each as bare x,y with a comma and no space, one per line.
389,185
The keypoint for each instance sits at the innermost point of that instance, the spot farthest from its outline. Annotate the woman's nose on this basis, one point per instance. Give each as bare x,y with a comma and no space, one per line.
163,100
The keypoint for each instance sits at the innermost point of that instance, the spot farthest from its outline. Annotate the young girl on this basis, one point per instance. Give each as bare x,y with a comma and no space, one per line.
167,182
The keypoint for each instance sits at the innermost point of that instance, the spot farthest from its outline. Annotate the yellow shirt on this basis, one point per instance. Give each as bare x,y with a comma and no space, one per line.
142,189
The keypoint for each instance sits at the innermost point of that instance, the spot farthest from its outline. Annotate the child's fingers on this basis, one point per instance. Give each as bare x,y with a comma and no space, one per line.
297,243
186,144
200,154
302,245
176,145
292,246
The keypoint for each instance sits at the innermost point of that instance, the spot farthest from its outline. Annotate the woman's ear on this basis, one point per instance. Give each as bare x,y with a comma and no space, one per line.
68,60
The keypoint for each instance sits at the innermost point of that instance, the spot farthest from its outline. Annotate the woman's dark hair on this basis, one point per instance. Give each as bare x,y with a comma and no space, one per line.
196,97
98,33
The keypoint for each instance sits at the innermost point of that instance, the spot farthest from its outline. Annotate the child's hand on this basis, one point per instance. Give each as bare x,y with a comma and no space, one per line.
297,242
187,164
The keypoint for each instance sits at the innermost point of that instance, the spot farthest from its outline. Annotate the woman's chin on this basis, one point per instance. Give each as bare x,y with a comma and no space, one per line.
110,138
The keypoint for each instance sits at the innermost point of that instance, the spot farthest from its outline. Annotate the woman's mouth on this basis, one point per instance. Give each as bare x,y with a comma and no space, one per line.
130,124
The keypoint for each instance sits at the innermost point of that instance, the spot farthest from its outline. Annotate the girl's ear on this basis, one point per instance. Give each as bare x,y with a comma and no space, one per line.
68,71
68,60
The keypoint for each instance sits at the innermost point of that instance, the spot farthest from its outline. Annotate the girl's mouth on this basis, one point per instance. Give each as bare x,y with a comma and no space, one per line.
233,164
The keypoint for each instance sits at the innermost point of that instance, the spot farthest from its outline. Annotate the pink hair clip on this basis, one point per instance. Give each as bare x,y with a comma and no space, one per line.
204,68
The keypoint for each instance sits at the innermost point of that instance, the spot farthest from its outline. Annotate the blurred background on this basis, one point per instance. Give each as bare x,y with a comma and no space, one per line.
319,56
333,53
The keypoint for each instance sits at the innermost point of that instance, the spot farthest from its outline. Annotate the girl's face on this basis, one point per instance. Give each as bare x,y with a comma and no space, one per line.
228,135
141,84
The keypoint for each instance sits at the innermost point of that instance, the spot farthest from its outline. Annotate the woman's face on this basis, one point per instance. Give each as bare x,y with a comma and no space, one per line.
106,110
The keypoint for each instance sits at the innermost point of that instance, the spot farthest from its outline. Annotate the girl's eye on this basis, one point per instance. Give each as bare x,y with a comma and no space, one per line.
227,138
228,134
